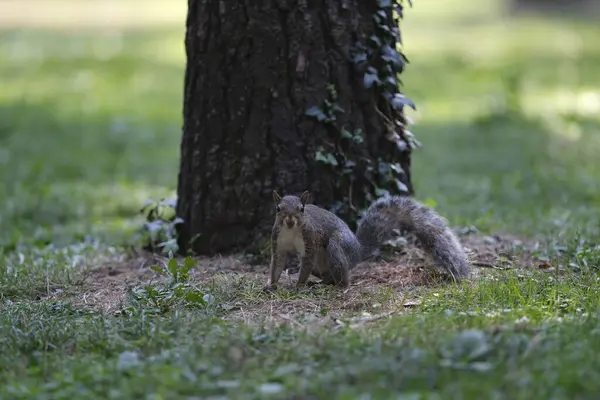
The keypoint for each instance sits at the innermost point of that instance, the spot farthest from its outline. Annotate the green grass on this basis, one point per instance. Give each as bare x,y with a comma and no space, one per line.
89,130
520,338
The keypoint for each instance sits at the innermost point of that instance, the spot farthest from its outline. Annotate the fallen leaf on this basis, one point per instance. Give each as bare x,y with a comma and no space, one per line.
544,265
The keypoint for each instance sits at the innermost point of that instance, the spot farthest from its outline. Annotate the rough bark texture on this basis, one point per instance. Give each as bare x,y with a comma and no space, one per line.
253,68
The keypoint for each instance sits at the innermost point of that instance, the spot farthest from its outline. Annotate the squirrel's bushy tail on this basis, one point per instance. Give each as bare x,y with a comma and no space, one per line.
432,231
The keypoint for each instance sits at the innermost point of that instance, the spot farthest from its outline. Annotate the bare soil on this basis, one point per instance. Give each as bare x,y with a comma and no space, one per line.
377,287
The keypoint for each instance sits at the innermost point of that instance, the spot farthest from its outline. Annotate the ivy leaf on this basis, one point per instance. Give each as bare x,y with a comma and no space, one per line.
319,156
404,59
384,168
401,145
401,186
399,100
332,159
358,136
360,58
376,40
387,50
415,143
393,56
391,80
397,168
384,3
337,108
369,79
326,158
316,112
313,111
399,10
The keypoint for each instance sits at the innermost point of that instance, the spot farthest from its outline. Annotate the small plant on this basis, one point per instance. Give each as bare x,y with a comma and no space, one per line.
587,257
158,232
175,291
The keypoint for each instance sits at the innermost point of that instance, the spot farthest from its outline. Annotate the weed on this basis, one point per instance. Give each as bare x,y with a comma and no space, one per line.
175,292
159,230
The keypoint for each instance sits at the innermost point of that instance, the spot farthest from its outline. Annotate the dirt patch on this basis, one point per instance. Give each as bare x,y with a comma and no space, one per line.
376,287
106,287
499,251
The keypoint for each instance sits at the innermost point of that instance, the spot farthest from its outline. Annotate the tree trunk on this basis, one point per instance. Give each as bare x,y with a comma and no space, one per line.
257,78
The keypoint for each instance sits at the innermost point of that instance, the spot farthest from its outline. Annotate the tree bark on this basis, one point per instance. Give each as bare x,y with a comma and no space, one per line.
253,69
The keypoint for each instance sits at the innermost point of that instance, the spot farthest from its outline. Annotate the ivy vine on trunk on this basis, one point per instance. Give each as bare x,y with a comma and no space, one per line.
288,95
381,62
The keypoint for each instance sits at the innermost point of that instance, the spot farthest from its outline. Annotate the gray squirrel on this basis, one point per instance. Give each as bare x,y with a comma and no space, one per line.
328,249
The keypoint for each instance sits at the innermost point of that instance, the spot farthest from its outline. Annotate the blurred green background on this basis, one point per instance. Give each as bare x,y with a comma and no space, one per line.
90,125
91,98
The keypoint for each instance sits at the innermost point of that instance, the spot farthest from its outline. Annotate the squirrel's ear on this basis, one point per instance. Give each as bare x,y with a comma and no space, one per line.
276,197
304,197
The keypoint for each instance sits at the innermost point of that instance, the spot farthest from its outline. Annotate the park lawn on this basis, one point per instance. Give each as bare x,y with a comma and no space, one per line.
508,114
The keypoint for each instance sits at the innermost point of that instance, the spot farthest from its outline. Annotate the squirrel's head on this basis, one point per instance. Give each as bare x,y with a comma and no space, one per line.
290,209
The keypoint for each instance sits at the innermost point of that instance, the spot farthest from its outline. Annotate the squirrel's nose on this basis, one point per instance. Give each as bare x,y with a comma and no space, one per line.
289,222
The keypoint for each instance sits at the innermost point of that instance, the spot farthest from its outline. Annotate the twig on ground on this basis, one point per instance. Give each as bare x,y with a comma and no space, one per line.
483,264
487,265
355,322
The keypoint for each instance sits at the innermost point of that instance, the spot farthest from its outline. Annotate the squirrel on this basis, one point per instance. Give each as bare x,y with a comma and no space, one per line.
328,249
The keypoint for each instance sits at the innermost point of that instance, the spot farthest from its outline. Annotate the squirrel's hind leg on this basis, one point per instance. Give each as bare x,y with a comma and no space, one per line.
339,268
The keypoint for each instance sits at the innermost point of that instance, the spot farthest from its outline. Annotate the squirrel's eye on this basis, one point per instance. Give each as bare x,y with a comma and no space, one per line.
301,208
278,208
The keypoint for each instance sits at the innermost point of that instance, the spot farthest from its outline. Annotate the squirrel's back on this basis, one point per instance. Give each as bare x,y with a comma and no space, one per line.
326,225
323,220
